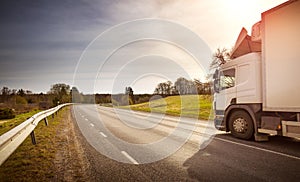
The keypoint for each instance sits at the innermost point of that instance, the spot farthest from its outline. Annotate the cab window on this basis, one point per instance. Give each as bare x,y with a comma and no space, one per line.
227,79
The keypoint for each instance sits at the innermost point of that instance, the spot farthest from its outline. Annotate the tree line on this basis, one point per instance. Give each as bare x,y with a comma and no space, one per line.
21,100
183,86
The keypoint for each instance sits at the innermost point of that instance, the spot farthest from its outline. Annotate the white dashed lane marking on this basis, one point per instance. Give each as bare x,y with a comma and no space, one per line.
103,134
129,157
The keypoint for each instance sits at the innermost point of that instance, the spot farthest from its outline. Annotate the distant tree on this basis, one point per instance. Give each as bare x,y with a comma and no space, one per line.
168,87
5,91
129,94
159,89
76,96
202,87
103,98
21,92
13,92
199,86
59,89
180,85
28,92
174,91
142,98
185,86
61,93
74,90
164,88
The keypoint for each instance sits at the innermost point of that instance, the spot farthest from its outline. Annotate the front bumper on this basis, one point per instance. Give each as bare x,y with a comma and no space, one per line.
219,122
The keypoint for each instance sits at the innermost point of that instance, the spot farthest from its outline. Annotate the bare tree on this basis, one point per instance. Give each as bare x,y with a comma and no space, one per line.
164,88
221,56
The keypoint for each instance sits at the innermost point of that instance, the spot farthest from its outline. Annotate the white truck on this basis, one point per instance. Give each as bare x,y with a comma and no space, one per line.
257,92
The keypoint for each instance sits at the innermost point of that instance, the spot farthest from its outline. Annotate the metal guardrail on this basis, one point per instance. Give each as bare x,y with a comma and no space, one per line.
12,139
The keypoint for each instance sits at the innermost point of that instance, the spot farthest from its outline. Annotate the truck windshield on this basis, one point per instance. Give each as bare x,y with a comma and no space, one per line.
227,79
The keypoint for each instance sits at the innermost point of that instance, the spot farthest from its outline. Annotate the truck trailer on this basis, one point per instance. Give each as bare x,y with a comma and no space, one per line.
257,92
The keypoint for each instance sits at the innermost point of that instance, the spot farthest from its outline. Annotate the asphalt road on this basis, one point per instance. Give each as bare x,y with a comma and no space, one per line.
123,145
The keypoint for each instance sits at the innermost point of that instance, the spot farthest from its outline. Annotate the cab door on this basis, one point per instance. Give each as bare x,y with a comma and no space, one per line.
227,89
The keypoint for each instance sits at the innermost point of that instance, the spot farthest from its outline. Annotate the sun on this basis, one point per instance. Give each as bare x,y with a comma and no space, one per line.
248,12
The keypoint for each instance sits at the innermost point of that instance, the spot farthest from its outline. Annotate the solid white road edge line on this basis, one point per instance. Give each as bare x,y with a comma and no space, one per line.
103,134
258,148
129,157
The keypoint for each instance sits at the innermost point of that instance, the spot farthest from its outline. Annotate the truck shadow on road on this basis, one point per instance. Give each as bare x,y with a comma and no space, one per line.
230,159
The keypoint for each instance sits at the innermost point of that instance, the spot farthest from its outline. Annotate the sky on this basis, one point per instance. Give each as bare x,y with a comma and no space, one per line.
103,46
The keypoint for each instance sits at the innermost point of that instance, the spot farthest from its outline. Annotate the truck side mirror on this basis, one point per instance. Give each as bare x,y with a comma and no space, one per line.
216,74
216,81
217,85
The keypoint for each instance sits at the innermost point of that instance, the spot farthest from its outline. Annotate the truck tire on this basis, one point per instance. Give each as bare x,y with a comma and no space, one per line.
241,125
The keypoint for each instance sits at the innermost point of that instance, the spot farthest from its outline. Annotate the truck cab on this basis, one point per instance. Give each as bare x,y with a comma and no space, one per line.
257,91
236,83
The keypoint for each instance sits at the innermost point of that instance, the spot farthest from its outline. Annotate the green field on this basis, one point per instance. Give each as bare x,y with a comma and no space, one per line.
196,106
7,124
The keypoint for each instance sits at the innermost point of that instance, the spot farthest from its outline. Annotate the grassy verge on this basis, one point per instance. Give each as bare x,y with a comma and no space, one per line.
196,106
106,104
35,162
6,125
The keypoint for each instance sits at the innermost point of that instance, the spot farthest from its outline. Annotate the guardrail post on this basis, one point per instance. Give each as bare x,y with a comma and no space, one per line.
53,116
46,121
33,138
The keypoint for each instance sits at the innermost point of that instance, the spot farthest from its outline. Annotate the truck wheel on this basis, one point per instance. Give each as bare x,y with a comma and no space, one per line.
241,125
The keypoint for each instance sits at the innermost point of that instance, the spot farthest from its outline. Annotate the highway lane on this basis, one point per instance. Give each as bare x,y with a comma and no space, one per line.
168,148
148,142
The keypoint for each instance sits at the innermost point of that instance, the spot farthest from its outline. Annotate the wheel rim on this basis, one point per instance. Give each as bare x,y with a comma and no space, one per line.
240,125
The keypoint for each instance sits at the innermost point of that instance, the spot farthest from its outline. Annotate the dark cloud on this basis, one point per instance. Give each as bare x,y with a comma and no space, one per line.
46,36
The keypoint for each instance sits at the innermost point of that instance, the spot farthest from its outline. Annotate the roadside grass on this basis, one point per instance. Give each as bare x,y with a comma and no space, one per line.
35,162
106,104
8,124
195,106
